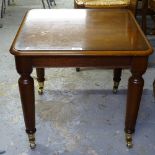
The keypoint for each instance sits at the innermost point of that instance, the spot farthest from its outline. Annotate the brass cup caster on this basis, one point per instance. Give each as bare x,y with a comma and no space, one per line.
40,88
78,69
32,141
129,143
115,87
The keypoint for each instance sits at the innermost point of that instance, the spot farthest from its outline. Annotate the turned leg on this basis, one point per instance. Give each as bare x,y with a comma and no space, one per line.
26,88
40,79
135,88
78,69
117,79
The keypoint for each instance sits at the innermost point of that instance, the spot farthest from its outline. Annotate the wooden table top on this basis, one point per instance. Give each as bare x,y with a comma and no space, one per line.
80,32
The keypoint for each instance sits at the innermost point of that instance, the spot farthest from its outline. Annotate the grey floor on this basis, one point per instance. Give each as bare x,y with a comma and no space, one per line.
78,114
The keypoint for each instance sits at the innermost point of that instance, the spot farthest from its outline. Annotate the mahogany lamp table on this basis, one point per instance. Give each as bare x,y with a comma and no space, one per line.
80,38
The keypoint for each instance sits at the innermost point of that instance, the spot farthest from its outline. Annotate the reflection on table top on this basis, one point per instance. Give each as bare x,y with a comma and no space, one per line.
80,32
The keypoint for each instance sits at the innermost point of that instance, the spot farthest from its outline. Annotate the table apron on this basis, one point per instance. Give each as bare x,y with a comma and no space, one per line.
82,61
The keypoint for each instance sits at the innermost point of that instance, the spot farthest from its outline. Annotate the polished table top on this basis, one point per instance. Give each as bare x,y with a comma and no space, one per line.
80,32
80,38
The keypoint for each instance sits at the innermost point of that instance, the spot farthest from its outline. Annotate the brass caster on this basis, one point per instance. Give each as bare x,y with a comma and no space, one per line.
115,87
32,146
78,69
129,140
32,141
40,88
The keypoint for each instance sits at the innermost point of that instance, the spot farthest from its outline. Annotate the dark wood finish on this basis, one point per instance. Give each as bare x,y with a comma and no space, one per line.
132,6
40,74
120,36
117,75
135,88
104,38
117,78
26,87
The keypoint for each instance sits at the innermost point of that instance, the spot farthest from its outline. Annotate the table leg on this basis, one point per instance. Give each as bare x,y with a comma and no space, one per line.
117,79
26,88
135,88
40,78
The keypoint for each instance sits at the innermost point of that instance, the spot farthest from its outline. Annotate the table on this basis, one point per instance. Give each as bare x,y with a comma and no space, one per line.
80,38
